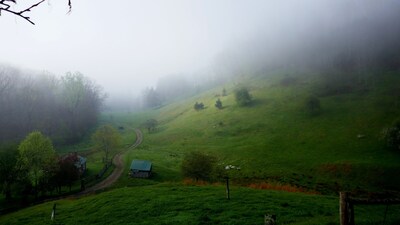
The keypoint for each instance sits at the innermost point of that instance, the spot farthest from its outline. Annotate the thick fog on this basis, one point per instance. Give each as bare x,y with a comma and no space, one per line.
129,45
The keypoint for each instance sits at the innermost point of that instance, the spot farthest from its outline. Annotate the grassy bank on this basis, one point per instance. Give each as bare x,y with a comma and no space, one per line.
177,204
276,139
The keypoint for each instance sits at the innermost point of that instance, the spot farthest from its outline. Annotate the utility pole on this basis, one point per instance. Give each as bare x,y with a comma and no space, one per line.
53,212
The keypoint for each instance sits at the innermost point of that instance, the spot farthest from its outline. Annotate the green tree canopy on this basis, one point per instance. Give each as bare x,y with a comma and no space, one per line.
198,106
198,165
106,138
37,155
150,124
242,96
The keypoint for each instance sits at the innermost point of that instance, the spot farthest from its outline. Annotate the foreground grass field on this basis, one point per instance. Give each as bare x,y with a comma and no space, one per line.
173,203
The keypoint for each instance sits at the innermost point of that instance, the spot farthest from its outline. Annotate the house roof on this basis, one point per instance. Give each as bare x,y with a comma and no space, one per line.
141,165
80,162
82,159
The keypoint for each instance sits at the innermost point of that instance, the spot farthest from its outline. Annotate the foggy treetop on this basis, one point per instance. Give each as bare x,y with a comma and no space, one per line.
137,42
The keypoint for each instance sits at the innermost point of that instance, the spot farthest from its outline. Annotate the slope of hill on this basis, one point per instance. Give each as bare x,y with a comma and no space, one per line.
275,139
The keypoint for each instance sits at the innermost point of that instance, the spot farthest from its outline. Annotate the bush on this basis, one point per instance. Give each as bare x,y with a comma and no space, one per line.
313,105
224,92
150,125
242,96
218,104
198,165
392,136
198,106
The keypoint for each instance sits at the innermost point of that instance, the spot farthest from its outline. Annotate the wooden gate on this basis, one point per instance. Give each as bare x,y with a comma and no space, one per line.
347,206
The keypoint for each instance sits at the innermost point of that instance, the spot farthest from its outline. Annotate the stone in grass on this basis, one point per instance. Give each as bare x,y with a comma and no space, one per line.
269,219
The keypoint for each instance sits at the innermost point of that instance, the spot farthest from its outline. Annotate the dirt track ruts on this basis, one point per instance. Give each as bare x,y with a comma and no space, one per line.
119,168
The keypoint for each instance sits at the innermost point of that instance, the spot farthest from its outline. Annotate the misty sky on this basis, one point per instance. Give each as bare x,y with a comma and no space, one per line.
125,45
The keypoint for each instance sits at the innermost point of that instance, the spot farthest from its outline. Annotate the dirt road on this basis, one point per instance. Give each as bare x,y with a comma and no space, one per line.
119,167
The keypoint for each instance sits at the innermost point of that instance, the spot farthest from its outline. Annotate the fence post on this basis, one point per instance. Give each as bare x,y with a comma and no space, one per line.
343,208
351,212
227,189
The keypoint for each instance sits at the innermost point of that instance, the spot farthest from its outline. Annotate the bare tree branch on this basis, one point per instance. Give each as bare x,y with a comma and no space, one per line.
6,4
70,6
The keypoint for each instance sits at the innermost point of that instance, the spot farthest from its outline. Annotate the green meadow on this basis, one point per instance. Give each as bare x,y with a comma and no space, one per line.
169,203
276,140
276,143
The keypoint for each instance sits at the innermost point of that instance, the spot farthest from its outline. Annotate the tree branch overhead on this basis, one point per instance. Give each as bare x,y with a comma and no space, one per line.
5,5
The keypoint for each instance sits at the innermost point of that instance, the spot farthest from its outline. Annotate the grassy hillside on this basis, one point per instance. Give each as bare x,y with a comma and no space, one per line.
177,204
275,139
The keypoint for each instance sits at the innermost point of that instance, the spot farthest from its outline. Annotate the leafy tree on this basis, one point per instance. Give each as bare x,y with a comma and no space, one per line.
151,125
198,165
392,136
81,100
37,156
313,105
198,106
62,108
106,138
68,172
242,96
218,104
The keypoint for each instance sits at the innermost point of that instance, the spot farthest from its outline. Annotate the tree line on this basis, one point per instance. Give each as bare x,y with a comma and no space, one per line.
33,168
63,108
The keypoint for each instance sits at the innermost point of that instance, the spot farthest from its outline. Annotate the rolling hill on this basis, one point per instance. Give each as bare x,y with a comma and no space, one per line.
275,141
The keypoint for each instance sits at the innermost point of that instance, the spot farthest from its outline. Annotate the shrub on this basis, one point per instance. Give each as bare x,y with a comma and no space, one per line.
242,96
224,92
198,106
218,104
198,165
150,125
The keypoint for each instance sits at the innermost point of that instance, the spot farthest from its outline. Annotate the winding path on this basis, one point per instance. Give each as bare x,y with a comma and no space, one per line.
119,167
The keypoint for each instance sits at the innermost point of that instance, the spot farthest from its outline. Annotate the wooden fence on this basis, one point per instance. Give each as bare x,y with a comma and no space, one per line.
91,180
347,206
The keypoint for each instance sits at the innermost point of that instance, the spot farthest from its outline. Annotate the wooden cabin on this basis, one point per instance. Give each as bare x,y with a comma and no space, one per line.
140,168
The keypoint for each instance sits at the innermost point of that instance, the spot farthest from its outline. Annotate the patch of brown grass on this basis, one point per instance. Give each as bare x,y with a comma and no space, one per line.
260,186
281,187
188,182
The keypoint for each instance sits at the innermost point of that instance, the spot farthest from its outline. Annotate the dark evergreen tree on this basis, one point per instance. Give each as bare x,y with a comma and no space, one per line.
218,104
198,106
224,92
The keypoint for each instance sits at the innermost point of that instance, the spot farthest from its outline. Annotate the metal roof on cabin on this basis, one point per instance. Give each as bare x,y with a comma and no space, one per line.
82,159
141,165
80,162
